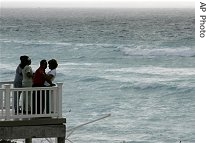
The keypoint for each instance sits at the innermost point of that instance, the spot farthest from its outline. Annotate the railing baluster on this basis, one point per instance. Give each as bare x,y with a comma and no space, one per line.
2,99
13,109
50,97
22,104
45,102
26,106
31,102
36,102
59,94
54,102
40,106
17,101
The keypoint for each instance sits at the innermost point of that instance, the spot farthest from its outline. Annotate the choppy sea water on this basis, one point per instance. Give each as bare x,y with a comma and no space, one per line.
136,64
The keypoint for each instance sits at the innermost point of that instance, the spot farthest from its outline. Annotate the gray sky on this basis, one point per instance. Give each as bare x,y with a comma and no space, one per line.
97,3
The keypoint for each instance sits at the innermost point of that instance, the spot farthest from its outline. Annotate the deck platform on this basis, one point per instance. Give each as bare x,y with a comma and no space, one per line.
40,115
34,128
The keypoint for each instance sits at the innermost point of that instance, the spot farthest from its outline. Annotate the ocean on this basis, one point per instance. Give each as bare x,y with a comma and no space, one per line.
136,64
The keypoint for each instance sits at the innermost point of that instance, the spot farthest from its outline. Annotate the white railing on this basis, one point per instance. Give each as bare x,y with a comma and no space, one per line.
30,102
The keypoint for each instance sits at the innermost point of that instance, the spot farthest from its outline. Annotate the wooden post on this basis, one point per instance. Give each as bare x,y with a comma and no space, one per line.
59,107
28,140
61,140
7,100
1,97
53,100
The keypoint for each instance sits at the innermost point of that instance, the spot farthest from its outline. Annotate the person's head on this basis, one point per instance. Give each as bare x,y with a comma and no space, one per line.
43,64
52,64
23,58
23,61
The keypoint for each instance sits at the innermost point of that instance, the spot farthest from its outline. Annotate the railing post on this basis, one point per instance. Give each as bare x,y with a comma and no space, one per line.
59,99
1,98
7,100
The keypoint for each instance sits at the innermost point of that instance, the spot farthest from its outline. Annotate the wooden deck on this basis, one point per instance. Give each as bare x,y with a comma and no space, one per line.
34,128
27,125
34,101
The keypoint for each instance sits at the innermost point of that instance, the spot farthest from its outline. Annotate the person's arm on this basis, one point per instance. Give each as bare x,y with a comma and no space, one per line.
19,71
50,76
48,79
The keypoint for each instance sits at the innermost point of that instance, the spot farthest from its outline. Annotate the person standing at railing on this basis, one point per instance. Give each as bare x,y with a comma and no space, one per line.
39,79
27,82
52,65
18,81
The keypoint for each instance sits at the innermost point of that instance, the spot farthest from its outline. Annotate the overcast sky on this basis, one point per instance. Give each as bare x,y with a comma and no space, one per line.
97,3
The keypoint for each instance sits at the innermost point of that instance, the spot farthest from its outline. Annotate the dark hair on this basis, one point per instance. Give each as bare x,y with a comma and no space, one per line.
53,63
23,61
43,62
23,58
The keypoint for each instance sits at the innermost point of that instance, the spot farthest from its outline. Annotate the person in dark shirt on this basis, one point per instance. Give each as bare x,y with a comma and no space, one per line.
40,75
39,79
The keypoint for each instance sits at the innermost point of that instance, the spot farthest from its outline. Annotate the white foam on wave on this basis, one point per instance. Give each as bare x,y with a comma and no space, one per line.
33,42
85,65
139,51
40,42
148,80
76,64
156,71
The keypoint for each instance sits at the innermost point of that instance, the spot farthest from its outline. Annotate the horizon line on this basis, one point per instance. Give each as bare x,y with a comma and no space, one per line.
98,4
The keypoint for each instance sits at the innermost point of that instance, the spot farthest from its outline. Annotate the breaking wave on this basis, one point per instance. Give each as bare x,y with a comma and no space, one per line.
138,51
